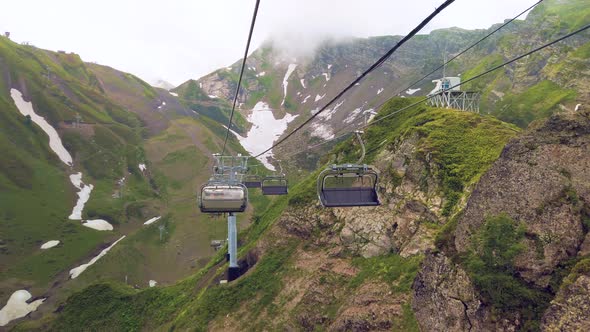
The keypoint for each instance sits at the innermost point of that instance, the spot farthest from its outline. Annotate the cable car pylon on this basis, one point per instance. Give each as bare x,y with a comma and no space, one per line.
225,193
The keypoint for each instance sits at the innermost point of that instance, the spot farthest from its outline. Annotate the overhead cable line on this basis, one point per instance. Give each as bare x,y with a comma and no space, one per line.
454,86
365,73
231,116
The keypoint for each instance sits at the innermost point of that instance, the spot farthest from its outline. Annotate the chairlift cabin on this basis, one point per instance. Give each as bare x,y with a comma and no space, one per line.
222,198
348,185
274,185
252,181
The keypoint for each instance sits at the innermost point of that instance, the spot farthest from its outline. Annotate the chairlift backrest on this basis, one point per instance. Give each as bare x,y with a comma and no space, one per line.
274,185
222,198
252,181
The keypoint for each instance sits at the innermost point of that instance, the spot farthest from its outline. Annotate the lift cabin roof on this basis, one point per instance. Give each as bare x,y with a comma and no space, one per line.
222,198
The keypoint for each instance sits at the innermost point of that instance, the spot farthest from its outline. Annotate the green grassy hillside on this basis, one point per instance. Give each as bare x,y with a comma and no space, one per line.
121,127
463,145
37,195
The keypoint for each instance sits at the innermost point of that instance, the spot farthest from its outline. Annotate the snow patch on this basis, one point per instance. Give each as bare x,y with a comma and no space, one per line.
379,91
153,283
302,81
152,220
327,115
98,224
265,130
290,70
262,73
212,96
329,66
26,108
173,93
49,244
321,131
412,91
83,195
75,272
326,76
306,98
353,115
318,97
142,166
578,106
17,306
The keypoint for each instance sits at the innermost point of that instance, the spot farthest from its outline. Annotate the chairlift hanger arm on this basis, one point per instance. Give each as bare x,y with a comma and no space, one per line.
360,139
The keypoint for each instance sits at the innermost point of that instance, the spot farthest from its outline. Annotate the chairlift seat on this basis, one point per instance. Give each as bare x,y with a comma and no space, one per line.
252,184
344,197
274,186
223,198
347,194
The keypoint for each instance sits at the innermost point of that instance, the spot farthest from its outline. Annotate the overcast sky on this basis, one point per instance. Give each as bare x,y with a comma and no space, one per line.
180,39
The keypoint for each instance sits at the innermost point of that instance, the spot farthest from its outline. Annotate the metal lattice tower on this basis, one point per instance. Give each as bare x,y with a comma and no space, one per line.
460,100
448,94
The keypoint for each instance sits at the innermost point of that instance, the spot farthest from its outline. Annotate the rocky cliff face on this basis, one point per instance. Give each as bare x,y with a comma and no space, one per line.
444,297
541,182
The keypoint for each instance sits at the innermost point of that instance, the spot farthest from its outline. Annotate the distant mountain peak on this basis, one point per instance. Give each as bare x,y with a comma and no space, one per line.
160,83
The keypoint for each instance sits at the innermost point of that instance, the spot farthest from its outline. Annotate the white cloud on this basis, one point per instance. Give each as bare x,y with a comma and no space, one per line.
181,39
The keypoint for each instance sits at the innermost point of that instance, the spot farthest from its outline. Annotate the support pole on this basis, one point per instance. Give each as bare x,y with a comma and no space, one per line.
232,246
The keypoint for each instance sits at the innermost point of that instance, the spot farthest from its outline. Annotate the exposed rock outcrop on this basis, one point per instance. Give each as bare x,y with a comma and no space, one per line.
370,310
542,180
444,297
569,310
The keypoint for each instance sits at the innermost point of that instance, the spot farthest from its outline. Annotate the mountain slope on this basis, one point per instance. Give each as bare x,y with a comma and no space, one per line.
402,265
530,89
314,267
459,231
130,153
